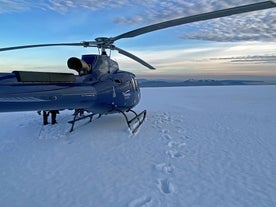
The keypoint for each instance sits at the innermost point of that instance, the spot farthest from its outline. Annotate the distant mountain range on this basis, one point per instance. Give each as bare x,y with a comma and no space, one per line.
194,82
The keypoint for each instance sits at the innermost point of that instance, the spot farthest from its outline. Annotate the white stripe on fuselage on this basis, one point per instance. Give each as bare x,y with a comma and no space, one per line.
21,99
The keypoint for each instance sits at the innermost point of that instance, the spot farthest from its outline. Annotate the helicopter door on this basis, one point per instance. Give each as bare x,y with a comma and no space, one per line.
116,94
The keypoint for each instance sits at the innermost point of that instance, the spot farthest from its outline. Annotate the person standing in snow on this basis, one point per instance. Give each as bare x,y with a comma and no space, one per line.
54,116
45,115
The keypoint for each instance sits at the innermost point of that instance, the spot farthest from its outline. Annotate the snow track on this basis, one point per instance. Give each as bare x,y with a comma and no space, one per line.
199,146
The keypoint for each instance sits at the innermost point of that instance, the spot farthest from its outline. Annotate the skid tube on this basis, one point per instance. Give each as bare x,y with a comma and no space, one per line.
134,123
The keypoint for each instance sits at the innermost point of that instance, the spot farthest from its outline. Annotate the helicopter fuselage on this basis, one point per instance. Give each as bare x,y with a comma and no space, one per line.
112,92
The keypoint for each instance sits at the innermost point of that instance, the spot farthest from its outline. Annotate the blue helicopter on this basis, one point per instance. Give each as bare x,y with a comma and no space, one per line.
100,88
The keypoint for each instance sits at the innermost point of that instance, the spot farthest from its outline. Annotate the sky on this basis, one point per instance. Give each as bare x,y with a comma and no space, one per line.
237,47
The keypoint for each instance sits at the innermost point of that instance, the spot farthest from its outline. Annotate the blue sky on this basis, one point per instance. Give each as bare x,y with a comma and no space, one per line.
241,46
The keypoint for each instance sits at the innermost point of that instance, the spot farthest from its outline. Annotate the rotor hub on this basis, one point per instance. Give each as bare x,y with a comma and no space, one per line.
103,41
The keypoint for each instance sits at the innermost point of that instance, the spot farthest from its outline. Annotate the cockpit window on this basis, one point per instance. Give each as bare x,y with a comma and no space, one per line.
134,84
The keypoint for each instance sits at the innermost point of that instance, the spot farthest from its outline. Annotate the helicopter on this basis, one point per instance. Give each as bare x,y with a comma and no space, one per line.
100,87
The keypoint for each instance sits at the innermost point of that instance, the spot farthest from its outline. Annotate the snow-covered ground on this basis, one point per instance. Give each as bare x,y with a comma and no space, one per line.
199,146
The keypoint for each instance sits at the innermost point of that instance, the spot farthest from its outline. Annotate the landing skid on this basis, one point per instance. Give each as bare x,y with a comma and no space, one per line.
134,123
78,115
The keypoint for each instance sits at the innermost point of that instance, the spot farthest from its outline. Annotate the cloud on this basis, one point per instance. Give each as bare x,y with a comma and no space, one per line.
214,58
60,6
7,6
64,6
258,26
249,59
155,11
255,26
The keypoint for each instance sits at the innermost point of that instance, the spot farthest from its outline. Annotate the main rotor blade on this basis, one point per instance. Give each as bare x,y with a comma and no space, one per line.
85,44
139,60
197,18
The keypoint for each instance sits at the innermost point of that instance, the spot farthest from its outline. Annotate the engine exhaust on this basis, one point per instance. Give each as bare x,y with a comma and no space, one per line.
79,65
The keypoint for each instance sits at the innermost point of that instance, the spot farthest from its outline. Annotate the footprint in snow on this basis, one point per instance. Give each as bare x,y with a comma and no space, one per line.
175,149
174,153
173,144
166,136
165,186
165,131
141,202
165,168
